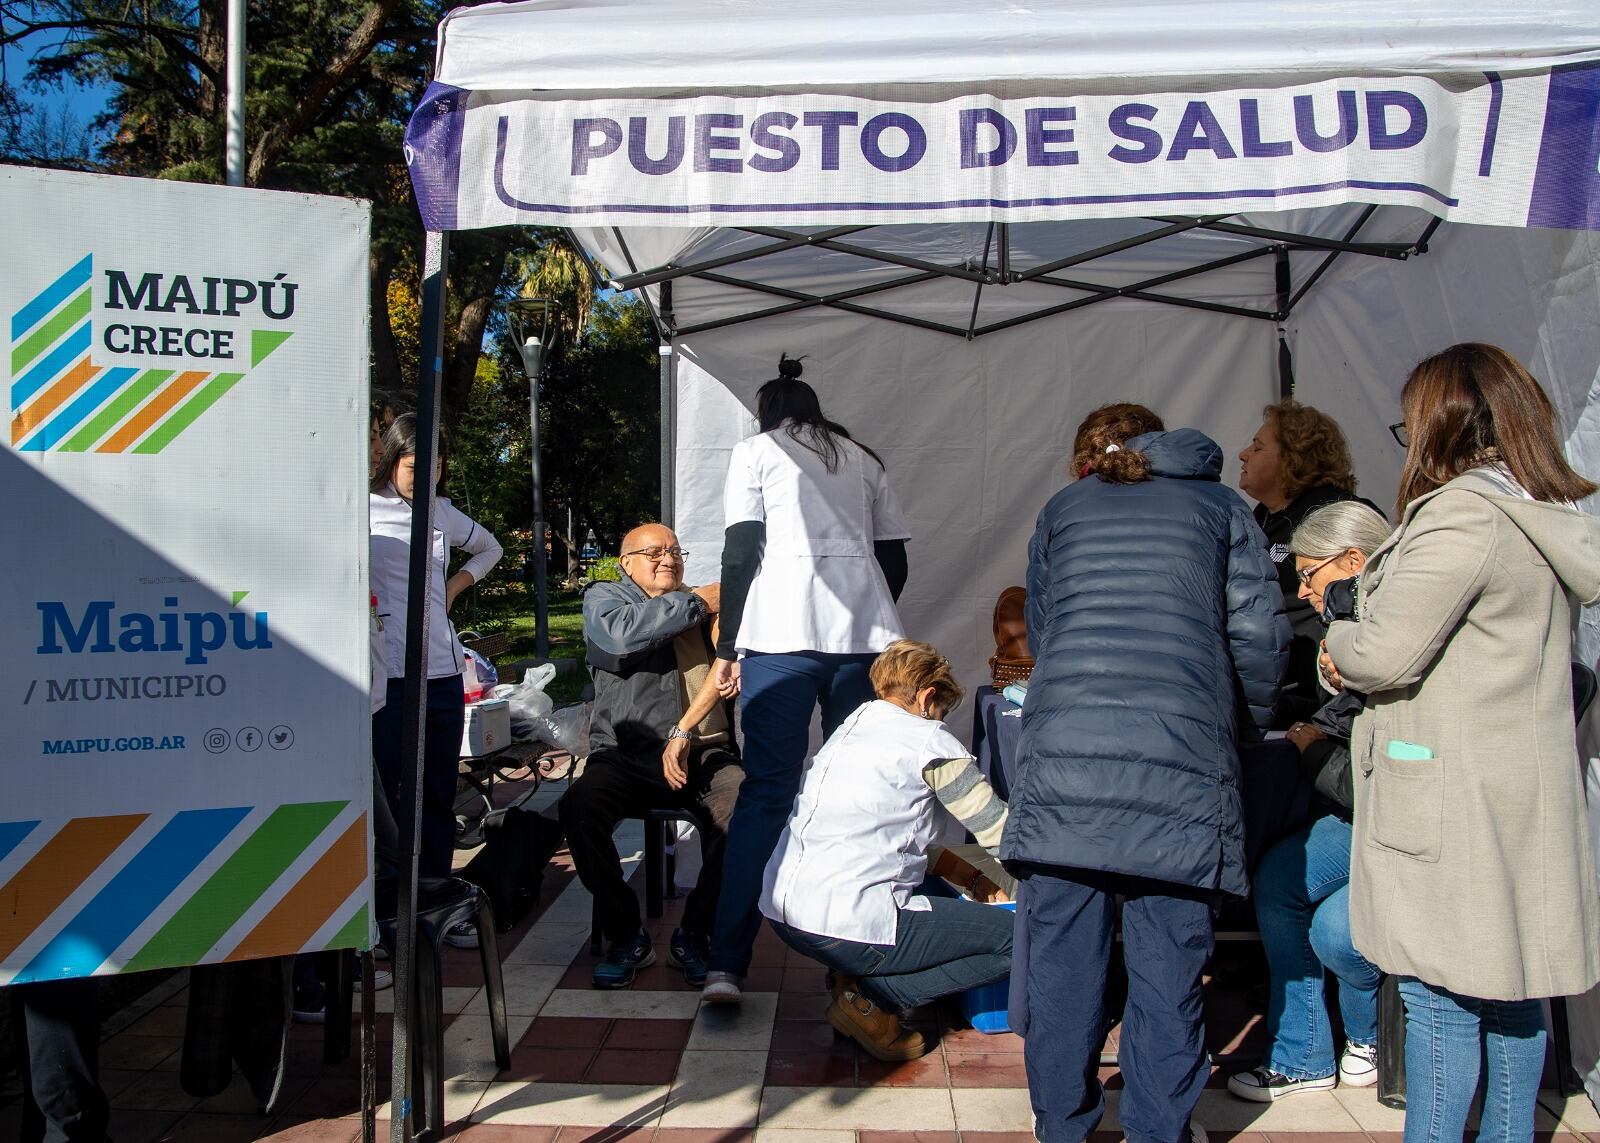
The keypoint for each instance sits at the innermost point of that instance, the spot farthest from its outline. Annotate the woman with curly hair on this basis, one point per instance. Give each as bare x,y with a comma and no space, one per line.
1297,462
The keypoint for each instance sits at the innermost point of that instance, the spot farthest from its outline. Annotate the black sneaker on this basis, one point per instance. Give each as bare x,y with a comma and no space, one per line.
1263,1085
622,961
310,1002
690,951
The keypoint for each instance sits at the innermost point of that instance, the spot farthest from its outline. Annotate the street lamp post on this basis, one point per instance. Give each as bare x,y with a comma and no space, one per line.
532,327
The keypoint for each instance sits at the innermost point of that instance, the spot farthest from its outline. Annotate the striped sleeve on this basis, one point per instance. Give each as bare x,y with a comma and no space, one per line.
964,791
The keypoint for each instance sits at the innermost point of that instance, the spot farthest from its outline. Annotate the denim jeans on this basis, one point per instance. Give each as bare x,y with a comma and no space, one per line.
446,714
777,695
1166,941
1302,900
954,946
1445,1036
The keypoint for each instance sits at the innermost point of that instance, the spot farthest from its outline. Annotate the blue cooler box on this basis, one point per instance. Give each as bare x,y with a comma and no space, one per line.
985,1007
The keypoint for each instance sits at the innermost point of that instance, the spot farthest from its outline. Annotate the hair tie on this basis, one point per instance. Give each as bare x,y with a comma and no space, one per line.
1113,448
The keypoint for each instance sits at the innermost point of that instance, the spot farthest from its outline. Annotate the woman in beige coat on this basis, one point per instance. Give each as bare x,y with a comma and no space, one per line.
1472,874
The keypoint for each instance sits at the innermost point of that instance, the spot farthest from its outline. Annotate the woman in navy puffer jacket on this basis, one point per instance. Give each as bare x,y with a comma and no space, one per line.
1155,620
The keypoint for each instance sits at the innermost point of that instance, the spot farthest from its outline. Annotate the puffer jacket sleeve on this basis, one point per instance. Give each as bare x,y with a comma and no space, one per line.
1033,611
1258,630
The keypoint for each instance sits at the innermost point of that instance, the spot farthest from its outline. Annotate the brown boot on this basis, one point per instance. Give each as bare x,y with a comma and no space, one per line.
878,1032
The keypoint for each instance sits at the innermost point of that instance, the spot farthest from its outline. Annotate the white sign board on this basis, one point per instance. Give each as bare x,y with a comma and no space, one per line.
185,743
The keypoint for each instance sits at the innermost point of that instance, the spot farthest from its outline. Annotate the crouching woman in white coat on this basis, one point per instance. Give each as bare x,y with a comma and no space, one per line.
842,886
1472,878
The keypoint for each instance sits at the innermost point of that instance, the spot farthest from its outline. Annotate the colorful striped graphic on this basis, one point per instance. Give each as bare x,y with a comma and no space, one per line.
61,400
107,894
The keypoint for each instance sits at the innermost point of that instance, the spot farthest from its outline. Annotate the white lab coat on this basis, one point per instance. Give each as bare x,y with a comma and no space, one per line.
819,587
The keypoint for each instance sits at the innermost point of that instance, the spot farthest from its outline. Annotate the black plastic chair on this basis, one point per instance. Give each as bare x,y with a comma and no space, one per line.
441,906
660,869
1391,1010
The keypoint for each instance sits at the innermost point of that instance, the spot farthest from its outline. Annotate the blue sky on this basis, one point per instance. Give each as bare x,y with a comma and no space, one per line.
82,103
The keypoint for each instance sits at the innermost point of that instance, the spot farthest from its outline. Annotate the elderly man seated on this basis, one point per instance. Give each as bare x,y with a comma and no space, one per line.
660,738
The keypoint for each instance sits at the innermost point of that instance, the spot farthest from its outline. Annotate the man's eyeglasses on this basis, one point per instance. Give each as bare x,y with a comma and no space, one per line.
1305,574
656,555
1401,437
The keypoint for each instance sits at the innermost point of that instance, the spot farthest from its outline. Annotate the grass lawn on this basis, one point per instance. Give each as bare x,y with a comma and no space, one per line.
509,608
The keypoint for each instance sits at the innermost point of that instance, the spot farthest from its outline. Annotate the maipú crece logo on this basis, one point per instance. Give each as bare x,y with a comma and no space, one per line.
63,401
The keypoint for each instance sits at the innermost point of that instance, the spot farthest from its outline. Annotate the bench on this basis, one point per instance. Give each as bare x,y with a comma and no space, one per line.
491,647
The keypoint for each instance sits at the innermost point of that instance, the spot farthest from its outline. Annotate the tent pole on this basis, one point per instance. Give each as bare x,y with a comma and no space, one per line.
1285,285
667,435
413,737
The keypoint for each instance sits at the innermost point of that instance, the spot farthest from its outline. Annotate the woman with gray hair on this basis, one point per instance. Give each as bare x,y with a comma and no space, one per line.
1301,886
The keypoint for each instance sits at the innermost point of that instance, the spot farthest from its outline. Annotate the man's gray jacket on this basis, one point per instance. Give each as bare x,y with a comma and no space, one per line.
638,693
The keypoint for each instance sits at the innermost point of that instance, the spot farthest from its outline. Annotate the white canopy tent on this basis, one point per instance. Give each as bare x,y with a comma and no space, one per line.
980,219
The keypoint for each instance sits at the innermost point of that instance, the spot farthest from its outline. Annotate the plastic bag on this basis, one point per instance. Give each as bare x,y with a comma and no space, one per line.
528,702
566,729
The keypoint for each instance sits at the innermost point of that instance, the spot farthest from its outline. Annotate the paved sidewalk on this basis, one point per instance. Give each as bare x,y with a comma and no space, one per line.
651,1066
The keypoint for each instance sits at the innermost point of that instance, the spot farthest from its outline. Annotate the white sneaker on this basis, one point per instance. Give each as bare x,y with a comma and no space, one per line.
1197,1134
382,978
463,936
1358,1067
1263,1085
723,988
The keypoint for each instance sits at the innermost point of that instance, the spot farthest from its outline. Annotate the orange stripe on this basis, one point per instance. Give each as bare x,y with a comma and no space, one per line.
65,862
51,399
179,388
307,906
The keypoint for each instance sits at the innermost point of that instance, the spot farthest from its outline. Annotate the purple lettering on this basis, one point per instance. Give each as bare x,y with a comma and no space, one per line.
639,154
705,142
1250,134
764,135
1199,130
584,146
872,148
1123,127
1005,140
1380,138
830,122
1305,124
1041,136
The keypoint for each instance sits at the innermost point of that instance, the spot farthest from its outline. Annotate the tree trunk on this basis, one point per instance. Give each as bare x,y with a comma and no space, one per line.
462,365
385,358
212,46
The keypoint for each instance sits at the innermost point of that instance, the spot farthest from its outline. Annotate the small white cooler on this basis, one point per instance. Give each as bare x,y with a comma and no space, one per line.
487,729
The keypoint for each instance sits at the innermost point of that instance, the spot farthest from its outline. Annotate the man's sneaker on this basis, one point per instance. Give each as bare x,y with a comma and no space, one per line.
622,961
310,1003
723,988
1197,1134
463,936
688,950
1263,1085
1358,1067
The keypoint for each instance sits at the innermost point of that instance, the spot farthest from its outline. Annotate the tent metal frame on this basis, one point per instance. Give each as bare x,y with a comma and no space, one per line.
1275,243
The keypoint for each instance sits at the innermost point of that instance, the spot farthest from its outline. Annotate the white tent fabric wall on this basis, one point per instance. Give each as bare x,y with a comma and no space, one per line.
975,434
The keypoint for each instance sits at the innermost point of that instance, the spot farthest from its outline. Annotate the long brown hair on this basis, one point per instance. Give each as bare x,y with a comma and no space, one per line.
1473,398
1113,425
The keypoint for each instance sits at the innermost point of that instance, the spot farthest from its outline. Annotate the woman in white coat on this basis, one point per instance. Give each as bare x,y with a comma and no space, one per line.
393,485
812,563
1472,876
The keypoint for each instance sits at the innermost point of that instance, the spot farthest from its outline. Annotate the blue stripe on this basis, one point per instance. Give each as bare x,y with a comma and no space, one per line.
57,292
1491,130
133,894
70,417
73,346
11,835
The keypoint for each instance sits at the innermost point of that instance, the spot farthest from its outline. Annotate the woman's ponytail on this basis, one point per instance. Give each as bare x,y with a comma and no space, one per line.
1100,444
1123,466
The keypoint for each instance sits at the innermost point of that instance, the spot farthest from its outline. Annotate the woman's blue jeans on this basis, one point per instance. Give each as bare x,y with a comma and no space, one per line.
1302,900
949,948
777,696
1446,1035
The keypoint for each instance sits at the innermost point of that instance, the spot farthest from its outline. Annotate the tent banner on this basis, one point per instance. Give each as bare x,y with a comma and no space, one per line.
1514,151
185,752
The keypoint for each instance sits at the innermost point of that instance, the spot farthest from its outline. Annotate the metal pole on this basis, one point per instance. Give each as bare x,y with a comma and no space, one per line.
666,434
235,100
533,361
413,736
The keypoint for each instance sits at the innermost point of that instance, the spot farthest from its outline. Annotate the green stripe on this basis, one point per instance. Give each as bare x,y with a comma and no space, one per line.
50,332
188,413
202,920
107,418
354,934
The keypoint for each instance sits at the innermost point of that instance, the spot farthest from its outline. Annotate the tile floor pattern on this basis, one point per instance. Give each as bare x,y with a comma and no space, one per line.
648,1065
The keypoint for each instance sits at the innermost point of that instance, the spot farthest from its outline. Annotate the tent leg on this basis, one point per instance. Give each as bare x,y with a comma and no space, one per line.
412,733
1285,295
667,410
